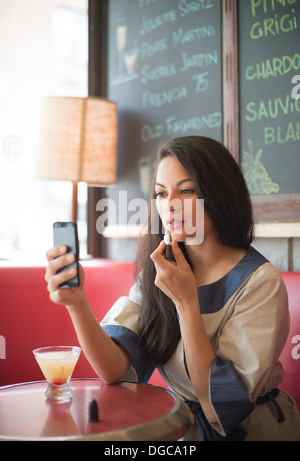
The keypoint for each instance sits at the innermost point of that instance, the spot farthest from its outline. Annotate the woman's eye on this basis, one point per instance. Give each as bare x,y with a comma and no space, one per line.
158,194
188,191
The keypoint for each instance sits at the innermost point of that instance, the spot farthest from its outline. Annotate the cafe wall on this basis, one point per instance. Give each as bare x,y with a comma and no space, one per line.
171,64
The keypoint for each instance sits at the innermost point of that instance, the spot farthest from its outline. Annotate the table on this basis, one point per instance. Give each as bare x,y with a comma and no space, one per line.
126,411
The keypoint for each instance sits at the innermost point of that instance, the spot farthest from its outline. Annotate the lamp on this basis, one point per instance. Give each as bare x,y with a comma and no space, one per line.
78,139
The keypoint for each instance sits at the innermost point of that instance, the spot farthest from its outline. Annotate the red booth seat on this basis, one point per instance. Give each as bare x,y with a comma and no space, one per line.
28,319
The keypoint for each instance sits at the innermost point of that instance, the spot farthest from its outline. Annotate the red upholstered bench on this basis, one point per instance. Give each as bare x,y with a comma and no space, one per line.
28,319
290,356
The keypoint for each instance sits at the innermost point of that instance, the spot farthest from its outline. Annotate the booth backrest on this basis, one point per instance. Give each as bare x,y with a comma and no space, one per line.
28,319
290,356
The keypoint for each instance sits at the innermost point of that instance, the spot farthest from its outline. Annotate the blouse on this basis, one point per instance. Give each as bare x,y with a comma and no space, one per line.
246,318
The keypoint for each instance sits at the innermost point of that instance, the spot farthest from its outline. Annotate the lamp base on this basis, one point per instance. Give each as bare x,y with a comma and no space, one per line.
74,209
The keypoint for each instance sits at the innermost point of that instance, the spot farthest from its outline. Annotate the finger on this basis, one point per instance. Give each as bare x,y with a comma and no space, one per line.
57,264
158,253
55,252
58,279
55,280
60,296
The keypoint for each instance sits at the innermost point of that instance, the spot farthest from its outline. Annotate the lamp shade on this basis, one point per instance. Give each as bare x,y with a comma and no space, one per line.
78,139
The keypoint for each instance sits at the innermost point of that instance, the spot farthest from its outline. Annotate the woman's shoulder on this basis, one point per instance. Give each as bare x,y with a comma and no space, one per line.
254,275
263,268
265,285
262,273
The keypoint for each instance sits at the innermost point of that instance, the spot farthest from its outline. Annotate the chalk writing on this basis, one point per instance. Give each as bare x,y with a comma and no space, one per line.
274,26
159,99
281,135
270,112
157,73
202,82
267,6
148,50
273,67
199,60
272,108
149,132
181,37
150,24
166,76
143,3
175,126
186,8
172,126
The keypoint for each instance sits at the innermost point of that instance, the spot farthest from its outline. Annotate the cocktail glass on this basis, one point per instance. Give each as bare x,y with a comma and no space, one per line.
57,364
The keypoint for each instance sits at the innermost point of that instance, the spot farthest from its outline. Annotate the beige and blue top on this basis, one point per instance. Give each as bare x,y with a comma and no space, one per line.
246,318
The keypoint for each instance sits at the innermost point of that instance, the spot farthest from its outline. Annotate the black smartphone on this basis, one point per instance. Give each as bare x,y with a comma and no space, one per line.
65,233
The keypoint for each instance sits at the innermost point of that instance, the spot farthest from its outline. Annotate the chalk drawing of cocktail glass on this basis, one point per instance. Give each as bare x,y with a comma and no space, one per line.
121,38
57,364
130,59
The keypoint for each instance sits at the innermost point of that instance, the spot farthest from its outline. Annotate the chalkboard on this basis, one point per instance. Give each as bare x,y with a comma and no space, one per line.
269,58
165,73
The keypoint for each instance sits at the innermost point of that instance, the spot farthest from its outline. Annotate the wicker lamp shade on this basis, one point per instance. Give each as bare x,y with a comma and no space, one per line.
78,140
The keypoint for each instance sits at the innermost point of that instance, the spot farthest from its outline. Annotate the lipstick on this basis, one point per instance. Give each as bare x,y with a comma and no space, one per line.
93,412
168,249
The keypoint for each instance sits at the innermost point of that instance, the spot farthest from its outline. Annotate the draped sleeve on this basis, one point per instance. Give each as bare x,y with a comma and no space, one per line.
121,324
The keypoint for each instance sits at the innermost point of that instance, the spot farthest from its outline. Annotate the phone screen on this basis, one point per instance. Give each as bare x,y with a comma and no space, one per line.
65,233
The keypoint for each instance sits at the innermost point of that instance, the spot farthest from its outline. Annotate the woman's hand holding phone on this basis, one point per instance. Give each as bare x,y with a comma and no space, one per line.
58,258
114,363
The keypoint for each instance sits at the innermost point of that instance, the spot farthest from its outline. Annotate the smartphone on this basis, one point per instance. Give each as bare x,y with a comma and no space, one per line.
65,233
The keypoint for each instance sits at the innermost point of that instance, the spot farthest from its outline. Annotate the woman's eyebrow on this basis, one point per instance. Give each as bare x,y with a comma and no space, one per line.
179,183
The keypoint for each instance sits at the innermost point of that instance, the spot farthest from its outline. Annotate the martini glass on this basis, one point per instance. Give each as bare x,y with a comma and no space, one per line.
57,364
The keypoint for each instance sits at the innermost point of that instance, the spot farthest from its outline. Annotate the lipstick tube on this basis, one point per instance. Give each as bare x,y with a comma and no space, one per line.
168,249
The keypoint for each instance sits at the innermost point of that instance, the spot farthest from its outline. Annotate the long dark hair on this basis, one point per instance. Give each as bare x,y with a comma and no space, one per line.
219,181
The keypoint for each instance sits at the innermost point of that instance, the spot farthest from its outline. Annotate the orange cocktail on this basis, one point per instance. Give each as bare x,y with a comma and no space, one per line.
57,364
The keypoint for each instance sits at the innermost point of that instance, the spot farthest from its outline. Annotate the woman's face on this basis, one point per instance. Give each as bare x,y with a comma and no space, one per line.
178,205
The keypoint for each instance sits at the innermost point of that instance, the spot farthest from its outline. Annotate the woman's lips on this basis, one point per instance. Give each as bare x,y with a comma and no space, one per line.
175,224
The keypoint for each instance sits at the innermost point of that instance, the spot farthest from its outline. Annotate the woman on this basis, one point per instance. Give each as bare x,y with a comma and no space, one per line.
214,320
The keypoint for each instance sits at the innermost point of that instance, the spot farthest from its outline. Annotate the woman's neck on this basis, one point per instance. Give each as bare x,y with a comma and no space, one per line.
211,261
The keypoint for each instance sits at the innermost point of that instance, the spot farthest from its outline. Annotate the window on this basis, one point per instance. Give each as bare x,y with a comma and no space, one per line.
43,52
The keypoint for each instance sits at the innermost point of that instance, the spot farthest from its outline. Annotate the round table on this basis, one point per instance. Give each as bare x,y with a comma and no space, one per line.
126,411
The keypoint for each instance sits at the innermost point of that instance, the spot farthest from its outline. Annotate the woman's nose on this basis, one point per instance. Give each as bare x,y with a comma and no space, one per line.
174,203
